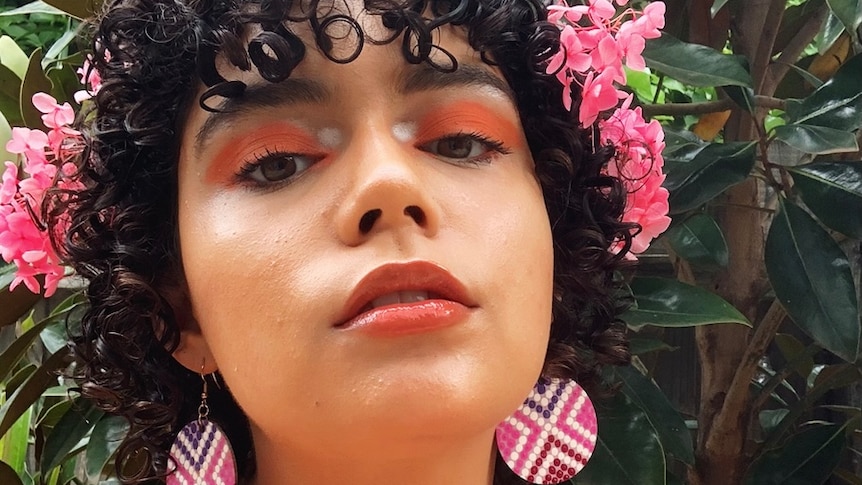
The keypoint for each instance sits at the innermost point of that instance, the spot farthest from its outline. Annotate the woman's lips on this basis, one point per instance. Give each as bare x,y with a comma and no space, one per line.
406,298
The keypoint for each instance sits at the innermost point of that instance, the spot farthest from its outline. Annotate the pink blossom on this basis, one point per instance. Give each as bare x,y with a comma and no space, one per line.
90,78
9,187
54,115
599,94
571,55
26,141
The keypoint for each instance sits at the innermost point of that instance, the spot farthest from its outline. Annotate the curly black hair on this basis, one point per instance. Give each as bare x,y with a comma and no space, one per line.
152,56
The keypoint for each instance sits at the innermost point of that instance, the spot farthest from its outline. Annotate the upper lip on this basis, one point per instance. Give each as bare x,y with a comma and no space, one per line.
409,276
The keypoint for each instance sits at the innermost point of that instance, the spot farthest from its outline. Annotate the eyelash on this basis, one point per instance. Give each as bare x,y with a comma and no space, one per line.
493,148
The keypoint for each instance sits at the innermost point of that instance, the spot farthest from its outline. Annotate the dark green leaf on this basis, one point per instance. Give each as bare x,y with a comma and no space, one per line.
695,64
670,303
818,140
811,79
808,458
811,277
12,354
715,168
770,418
849,12
33,7
628,450
742,96
23,397
794,353
643,345
833,191
837,104
35,81
10,89
8,475
674,435
717,5
699,240
15,304
106,438
52,416
77,8
829,34
15,443
72,428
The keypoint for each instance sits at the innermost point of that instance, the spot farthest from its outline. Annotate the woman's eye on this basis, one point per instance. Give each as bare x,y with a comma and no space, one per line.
464,147
276,167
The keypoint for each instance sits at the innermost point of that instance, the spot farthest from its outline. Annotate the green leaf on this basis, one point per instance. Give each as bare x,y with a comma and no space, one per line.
837,104
770,418
808,458
717,5
12,56
714,169
104,441
77,8
10,91
18,348
8,475
833,191
74,426
742,96
695,64
643,345
13,305
811,278
699,240
818,140
5,136
15,443
25,395
663,302
795,354
38,7
829,34
674,435
628,450
35,81
849,12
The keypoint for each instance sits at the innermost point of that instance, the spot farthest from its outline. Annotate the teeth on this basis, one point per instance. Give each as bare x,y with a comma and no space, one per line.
400,297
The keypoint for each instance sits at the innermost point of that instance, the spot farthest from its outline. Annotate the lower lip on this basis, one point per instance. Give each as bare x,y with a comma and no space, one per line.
409,318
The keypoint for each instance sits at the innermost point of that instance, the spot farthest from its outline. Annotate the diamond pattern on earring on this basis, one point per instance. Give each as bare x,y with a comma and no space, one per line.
203,456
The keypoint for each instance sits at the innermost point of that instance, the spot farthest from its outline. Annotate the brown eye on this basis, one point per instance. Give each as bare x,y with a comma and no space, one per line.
458,148
278,167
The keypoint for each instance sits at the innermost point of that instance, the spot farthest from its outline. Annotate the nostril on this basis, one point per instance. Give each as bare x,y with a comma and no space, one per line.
416,213
368,219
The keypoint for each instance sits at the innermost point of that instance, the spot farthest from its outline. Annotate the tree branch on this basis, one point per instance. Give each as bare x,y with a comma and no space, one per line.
682,109
791,52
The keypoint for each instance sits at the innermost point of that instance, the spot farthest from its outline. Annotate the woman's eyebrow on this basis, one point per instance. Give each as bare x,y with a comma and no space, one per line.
423,77
259,96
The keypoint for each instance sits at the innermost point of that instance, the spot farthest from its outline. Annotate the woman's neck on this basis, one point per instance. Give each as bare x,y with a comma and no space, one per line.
465,461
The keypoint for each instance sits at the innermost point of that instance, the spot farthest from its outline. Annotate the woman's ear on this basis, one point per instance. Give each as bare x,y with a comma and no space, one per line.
193,352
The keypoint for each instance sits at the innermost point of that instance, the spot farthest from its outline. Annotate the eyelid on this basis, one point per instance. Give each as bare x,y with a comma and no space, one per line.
468,117
244,148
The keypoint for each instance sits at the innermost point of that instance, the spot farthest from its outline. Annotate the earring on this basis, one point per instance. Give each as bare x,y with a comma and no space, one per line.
552,435
201,451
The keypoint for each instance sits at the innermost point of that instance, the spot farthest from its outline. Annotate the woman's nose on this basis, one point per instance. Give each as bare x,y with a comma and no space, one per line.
387,192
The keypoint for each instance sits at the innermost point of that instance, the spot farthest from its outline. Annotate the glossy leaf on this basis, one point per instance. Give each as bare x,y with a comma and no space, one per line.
833,192
811,277
628,450
13,57
695,64
699,240
665,302
674,435
829,34
14,443
15,304
69,431
714,169
837,104
742,96
10,91
12,354
8,475
5,136
643,345
25,395
807,458
35,81
38,7
104,441
817,140
717,5
849,12
794,353
77,8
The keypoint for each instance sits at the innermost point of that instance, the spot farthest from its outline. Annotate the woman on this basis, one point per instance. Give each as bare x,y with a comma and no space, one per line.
375,222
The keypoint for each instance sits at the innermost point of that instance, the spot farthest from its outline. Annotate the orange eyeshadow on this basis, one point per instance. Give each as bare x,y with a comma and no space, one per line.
468,117
242,148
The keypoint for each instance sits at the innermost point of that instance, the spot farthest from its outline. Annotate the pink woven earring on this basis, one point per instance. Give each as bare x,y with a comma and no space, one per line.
201,451
552,435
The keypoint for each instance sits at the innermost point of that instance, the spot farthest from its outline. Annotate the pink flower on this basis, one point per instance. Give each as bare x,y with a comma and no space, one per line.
599,94
571,55
90,78
54,115
9,187
26,141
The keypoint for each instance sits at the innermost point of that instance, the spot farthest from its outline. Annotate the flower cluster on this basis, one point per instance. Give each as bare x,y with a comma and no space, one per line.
595,43
24,238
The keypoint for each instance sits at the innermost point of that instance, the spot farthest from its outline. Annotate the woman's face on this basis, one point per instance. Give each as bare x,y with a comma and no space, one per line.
422,180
